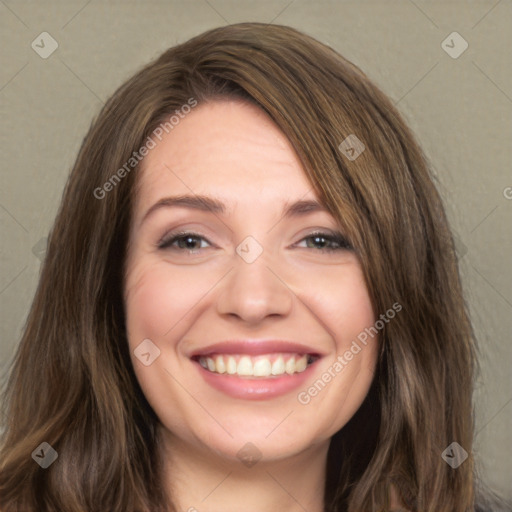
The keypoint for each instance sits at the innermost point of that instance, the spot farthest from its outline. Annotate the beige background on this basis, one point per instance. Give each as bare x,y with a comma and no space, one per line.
460,108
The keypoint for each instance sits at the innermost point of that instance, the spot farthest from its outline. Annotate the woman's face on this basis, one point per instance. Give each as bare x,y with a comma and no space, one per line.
252,292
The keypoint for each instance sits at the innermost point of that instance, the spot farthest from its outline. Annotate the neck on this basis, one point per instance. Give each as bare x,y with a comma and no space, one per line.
200,480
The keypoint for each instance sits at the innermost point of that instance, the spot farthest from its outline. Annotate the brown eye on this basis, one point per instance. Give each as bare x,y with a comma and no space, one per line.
185,241
327,242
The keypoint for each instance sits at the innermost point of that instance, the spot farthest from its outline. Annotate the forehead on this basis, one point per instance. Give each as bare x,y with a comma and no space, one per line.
226,148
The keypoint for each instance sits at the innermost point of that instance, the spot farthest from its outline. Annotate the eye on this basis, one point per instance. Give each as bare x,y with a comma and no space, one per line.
327,242
186,240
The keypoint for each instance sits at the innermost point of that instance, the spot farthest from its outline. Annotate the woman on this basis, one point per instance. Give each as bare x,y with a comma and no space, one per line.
311,352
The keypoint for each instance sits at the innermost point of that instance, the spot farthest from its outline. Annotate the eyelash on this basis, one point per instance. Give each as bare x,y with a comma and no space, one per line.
336,238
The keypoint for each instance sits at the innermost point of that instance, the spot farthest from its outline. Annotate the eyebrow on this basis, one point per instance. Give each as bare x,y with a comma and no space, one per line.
206,203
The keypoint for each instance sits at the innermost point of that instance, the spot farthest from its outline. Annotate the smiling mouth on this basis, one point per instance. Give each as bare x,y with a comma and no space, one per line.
259,366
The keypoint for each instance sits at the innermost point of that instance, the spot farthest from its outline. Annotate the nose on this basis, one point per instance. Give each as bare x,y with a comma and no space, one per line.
254,291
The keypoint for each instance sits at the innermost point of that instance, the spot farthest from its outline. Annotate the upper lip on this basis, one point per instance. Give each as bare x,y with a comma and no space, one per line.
255,347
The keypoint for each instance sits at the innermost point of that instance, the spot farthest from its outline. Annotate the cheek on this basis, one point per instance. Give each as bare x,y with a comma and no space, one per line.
346,306
159,301
346,374
352,332
158,298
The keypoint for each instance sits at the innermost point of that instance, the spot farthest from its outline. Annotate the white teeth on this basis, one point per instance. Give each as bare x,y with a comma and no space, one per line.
219,363
244,366
231,366
256,366
289,366
262,368
301,364
278,366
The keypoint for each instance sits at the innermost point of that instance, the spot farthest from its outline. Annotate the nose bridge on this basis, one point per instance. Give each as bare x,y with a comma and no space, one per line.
253,289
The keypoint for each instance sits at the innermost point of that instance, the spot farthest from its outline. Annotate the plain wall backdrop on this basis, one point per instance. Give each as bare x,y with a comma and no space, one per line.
61,60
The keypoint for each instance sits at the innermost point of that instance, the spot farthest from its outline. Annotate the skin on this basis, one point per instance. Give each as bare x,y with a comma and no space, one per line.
183,301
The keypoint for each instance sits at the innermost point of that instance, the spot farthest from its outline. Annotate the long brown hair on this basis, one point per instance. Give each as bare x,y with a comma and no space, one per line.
72,384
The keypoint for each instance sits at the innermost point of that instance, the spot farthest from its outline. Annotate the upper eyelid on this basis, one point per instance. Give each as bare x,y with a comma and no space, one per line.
191,231
182,233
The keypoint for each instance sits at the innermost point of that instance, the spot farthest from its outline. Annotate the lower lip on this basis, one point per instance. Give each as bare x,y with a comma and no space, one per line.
258,388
